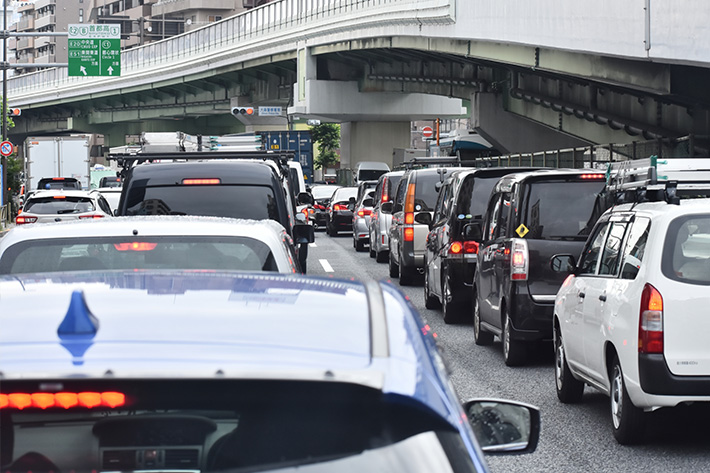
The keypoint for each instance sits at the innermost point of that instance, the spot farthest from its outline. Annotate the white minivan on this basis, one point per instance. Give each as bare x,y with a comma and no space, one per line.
369,171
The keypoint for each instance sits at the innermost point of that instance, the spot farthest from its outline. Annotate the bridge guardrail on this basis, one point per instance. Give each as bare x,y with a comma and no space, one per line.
298,16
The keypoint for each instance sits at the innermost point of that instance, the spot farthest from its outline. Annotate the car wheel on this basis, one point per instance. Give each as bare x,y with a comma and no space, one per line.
480,337
406,276
628,421
513,350
430,302
394,268
359,245
452,314
569,389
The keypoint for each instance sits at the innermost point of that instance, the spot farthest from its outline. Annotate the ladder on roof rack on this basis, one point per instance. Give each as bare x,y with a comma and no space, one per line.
668,176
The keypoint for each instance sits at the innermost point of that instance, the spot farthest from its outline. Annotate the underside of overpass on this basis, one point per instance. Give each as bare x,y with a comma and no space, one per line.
521,98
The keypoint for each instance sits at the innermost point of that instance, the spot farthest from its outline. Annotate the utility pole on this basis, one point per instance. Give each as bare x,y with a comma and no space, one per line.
4,99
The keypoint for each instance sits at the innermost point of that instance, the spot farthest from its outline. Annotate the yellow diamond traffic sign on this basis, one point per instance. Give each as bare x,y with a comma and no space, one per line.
522,230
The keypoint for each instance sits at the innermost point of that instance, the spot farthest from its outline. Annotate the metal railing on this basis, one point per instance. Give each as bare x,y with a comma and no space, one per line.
298,18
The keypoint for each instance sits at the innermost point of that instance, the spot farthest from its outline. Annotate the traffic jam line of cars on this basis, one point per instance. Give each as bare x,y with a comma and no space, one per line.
612,267
165,339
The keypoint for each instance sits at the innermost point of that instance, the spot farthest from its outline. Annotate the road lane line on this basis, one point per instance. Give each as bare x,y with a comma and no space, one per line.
313,245
326,266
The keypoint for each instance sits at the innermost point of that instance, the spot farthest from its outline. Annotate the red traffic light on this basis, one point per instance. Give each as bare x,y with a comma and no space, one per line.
249,111
14,112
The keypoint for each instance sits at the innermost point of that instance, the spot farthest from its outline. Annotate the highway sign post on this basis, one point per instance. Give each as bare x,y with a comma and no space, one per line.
94,50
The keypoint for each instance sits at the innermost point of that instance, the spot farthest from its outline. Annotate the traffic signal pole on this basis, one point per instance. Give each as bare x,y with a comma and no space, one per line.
5,200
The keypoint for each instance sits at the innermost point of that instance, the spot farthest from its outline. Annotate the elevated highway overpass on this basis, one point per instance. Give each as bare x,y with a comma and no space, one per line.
533,74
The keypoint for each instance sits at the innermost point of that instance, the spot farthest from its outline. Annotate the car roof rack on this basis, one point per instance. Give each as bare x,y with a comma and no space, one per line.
655,179
128,160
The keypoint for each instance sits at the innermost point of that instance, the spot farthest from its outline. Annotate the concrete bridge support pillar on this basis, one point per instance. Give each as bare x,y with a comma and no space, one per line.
372,141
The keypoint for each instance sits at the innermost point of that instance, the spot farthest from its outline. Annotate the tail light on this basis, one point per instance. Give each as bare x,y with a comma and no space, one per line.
409,213
91,216
364,212
385,190
319,207
409,234
519,261
651,321
135,246
305,211
21,220
593,177
201,182
337,207
463,248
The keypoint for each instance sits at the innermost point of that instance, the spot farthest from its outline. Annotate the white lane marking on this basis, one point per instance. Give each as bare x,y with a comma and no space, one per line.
326,266
313,245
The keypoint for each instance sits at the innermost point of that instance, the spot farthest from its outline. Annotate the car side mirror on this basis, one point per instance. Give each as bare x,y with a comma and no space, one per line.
504,427
472,231
304,198
368,203
386,207
303,233
423,217
563,263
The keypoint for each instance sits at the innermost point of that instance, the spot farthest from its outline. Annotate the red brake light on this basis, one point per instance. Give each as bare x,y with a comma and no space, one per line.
409,234
455,248
21,220
91,216
340,207
64,400
364,212
470,247
60,197
651,321
519,261
594,177
135,246
201,182
385,190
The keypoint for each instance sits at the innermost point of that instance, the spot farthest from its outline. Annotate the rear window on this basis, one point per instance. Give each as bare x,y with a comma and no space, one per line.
370,174
58,184
323,192
474,201
559,210
63,205
179,252
235,201
425,194
686,254
344,194
223,425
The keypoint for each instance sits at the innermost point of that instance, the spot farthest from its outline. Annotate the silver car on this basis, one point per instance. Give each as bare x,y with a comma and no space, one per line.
58,205
361,220
381,216
149,242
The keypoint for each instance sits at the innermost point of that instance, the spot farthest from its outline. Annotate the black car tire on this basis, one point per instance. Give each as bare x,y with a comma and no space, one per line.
359,245
393,267
406,276
569,389
480,336
628,421
430,302
372,251
381,256
513,350
451,310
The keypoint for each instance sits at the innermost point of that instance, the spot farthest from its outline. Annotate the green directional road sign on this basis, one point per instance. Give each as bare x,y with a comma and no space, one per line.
95,50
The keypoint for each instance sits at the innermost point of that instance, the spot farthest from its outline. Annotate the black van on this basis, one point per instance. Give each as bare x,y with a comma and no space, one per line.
450,259
530,217
235,188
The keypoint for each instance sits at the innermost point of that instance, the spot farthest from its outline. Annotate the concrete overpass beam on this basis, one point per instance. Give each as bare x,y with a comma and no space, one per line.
372,141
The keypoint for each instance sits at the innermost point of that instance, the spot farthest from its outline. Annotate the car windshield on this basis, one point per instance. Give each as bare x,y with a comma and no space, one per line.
235,201
227,425
59,204
323,192
162,252
559,210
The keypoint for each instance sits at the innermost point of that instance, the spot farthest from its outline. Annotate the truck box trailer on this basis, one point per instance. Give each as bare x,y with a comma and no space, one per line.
57,156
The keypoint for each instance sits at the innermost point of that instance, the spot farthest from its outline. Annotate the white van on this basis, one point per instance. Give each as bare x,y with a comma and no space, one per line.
369,171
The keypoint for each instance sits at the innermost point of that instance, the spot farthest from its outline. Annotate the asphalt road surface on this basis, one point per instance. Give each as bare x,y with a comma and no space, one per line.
575,438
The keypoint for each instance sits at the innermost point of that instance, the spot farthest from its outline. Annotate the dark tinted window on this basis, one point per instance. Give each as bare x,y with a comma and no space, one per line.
391,188
65,205
475,193
425,194
254,202
58,184
183,252
558,210
370,174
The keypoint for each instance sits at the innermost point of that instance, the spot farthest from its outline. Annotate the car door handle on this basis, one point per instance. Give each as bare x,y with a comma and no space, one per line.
581,295
602,297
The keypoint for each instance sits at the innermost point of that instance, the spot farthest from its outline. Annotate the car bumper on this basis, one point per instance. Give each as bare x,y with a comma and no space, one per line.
342,221
531,320
656,378
360,229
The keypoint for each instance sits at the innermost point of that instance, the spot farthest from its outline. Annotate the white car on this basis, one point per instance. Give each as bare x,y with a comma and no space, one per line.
58,205
632,319
149,242
112,196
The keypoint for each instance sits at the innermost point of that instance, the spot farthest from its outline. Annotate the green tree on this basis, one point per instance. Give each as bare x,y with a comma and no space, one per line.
327,137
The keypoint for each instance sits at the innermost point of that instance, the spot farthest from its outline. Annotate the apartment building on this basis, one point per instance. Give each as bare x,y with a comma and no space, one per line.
45,16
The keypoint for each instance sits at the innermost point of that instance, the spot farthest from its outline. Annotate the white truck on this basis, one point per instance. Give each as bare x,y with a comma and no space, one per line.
57,156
